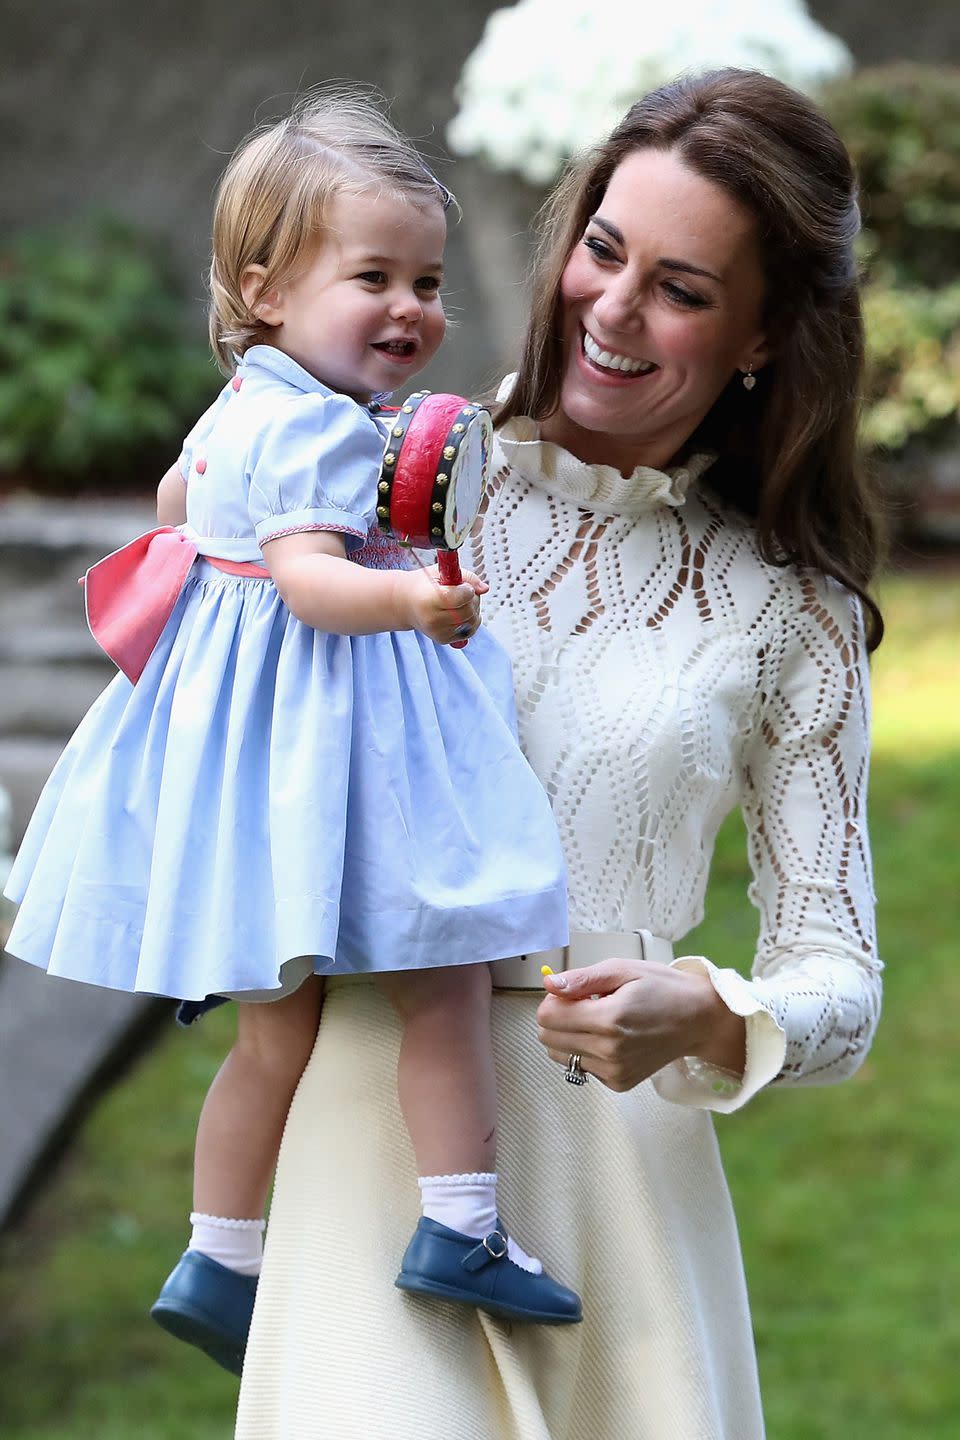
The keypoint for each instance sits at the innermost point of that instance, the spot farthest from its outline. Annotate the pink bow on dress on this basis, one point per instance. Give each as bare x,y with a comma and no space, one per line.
131,593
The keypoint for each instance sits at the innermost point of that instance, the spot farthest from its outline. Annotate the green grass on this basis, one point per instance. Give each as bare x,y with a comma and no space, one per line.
846,1195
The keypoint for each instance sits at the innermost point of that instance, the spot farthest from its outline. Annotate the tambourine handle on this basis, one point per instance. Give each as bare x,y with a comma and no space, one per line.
448,563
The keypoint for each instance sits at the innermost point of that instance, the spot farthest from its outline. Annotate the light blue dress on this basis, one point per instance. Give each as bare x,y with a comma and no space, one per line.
266,790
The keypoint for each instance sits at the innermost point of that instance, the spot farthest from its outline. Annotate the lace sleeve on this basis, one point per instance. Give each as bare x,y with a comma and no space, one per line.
804,782
812,1004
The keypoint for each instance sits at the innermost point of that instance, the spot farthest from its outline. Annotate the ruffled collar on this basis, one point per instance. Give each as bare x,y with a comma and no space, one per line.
594,487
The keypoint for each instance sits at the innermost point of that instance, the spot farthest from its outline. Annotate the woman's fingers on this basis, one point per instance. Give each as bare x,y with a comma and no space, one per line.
601,979
589,1016
609,1073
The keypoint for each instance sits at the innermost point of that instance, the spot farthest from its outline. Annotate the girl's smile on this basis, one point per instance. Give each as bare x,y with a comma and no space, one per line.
367,310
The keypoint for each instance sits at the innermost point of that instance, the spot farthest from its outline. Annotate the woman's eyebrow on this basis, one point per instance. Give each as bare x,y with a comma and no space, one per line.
665,262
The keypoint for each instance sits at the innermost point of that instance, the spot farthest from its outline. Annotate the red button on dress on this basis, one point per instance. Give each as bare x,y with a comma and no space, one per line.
201,466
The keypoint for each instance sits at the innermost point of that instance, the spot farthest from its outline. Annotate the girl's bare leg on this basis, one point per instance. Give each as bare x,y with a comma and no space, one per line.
445,1075
242,1120
448,1094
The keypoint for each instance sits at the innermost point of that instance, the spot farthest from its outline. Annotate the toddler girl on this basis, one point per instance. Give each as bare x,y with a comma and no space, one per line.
306,780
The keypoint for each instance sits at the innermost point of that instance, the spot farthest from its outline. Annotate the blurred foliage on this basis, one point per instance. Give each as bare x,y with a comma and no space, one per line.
99,374
902,126
913,370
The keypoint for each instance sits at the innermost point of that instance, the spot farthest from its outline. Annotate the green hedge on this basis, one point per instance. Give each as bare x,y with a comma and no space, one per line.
902,126
100,375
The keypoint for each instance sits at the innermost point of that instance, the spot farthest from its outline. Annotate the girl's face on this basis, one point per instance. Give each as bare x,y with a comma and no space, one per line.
662,303
366,314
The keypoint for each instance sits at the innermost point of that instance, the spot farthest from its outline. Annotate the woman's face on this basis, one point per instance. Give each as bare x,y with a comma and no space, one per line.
662,303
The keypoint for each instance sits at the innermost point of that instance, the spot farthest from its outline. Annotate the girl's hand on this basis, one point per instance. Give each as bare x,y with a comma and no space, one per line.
646,1015
440,612
326,590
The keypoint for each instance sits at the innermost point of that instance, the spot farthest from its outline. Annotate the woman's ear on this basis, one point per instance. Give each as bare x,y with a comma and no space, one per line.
756,356
267,305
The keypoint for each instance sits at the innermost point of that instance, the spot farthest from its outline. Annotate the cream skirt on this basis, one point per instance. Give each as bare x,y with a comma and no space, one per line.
622,1197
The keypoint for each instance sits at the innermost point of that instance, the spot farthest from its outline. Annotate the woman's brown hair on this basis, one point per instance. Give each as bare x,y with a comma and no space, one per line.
787,450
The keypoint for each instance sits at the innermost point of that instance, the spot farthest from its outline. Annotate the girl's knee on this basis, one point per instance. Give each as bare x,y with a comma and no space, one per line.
279,1035
447,989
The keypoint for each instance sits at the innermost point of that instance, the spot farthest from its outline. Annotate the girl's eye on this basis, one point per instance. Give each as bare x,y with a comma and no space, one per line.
430,283
599,248
373,277
681,296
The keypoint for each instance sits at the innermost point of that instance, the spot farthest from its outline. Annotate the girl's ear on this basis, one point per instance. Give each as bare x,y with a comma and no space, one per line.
267,305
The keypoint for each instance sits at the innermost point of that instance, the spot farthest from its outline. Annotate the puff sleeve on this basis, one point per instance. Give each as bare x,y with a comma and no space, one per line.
315,466
813,1001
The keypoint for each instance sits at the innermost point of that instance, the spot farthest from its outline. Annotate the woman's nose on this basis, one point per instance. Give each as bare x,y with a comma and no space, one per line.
620,307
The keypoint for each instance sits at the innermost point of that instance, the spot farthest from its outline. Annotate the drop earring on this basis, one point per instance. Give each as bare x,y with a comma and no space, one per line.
749,380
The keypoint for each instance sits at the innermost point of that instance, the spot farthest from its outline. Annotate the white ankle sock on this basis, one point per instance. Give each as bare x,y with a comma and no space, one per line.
468,1203
237,1244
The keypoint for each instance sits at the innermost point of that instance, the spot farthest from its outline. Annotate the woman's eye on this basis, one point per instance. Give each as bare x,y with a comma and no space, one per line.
373,277
599,248
681,296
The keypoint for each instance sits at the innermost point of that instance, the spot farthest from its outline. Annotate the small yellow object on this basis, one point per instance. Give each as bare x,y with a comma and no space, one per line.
546,970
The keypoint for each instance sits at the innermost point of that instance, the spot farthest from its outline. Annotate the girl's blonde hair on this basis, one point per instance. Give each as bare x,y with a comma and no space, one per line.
273,199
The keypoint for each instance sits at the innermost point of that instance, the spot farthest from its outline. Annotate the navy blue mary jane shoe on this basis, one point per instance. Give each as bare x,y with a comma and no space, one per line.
446,1265
208,1305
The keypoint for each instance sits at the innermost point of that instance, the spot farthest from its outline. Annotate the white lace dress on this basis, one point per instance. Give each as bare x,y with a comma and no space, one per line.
664,674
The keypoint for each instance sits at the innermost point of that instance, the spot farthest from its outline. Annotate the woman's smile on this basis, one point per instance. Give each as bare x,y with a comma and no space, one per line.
661,304
609,364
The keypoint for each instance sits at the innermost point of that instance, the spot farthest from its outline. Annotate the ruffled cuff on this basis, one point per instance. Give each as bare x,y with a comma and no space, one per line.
352,527
693,1082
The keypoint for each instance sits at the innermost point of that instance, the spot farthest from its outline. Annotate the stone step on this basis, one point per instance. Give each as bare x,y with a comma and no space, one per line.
59,1043
48,701
29,524
25,763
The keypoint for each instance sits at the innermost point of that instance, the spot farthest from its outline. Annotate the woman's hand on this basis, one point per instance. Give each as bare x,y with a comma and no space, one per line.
441,612
626,1019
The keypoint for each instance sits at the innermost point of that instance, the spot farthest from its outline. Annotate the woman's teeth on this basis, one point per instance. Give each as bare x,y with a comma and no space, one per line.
609,361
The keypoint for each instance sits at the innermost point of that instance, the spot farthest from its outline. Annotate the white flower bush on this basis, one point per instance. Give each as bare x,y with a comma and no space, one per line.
551,76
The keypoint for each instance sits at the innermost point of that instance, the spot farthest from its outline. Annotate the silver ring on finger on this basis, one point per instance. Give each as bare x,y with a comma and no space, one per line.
575,1073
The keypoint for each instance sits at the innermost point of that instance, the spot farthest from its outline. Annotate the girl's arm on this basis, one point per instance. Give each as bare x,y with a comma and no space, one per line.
172,498
321,587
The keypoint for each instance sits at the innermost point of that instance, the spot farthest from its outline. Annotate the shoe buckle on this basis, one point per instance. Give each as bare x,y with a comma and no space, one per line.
493,1253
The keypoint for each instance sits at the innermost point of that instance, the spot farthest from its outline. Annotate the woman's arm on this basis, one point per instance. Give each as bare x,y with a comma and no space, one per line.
326,590
809,1011
172,498
803,794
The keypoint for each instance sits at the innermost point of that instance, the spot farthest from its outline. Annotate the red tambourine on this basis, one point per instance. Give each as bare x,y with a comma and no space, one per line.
435,466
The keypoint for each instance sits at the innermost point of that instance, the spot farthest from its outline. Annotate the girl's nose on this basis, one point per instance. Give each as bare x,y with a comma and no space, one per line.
405,305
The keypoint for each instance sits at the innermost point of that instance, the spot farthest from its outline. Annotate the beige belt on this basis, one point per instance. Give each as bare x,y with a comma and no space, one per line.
522,972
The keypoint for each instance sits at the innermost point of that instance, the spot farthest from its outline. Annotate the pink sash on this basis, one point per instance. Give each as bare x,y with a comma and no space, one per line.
131,593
